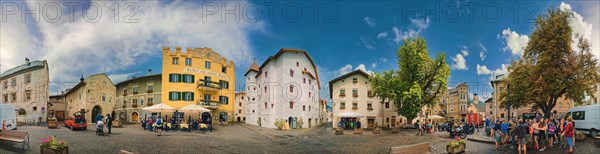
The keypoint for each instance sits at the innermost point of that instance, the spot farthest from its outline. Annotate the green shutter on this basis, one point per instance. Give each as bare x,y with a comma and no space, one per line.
180,95
170,77
181,77
192,96
193,79
170,96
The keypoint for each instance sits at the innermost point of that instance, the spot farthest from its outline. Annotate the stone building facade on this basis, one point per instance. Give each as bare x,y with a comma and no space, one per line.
26,87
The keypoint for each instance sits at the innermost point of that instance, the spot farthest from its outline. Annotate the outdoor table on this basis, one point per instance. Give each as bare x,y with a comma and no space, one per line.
169,126
184,126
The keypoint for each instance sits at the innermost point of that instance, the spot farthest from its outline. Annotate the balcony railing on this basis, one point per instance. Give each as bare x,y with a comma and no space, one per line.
208,85
209,103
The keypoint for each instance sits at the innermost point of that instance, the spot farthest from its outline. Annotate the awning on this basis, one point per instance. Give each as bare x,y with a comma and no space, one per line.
435,116
349,114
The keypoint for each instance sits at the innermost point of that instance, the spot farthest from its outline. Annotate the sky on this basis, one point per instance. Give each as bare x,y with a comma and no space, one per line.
125,39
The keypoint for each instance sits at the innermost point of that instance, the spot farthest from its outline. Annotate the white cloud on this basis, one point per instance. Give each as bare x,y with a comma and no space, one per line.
373,65
370,22
499,71
383,60
464,50
482,52
367,42
116,78
81,47
419,23
584,28
483,70
514,42
382,35
459,62
344,70
363,68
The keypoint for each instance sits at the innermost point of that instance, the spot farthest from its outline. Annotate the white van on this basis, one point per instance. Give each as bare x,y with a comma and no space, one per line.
586,118
8,117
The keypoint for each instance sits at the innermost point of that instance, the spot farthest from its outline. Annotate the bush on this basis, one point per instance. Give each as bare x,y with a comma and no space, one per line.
279,124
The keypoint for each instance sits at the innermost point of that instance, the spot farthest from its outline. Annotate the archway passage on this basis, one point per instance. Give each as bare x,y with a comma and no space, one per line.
239,119
134,117
97,110
206,116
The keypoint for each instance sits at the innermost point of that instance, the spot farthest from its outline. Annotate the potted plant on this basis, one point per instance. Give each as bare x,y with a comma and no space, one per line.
149,91
150,103
124,105
580,136
299,122
133,105
52,122
279,124
456,146
51,145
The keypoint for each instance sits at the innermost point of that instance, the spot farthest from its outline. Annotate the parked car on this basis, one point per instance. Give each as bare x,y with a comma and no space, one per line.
76,122
8,117
586,118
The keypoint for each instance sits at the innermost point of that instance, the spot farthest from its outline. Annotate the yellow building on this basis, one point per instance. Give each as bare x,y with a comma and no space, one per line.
198,76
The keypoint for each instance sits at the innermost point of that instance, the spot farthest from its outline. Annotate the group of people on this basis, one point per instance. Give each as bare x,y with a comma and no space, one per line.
157,124
349,124
101,123
537,134
153,125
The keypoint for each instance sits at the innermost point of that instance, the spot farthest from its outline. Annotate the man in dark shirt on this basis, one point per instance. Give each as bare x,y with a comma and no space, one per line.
521,134
108,123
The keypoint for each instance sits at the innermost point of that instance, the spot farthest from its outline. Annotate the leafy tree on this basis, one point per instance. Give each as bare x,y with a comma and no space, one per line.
418,81
550,68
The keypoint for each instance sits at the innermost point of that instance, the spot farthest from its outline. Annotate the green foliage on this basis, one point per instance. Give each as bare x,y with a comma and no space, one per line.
418,81
280,124
456,143
550,68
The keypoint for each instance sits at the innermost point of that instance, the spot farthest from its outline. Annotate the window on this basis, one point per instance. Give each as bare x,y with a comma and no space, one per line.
225,84
150,88
298,64
309,93
141,102
150,101
304,80
354,105
27,95
451,108
240,104
272,105
135,90
5,84
342,92
188,78
355,92
13,82
291,89
265,89
125,91
174,77
207,64
206,97
354,80
309,108
291,73
501,115
578,115
369,106
188,61
224,99
266,73
188,96
134,102
342,105
27,78
174,96
104,98
291,105
240,111
5,98
303,107
370,93
35,108
175,60
387,105
22,112
223,69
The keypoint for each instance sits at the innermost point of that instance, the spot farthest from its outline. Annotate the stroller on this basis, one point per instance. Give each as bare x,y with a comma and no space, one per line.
100,128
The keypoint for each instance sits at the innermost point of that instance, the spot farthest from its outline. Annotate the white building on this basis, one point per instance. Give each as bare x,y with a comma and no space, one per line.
26,87
239,108
285,87
353,100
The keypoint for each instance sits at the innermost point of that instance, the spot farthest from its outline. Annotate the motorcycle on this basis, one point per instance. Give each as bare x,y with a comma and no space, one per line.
469,129
458,132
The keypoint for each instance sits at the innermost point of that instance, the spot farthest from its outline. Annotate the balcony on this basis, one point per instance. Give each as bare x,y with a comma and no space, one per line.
209,104
463,112
369,108
209,86
342,95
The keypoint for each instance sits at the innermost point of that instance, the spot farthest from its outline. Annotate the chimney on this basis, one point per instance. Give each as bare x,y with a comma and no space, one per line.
27,61
81,79
149,71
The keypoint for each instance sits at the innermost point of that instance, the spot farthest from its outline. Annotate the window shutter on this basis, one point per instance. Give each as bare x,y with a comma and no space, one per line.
170,77
170,96
192,96
180,95
193,79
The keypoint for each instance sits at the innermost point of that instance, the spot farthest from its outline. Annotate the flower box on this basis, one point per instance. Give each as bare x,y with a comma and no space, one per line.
133,105
395,130
456,149
124,106
339,131
117,123
44,150
150,104
377,130
135,92
355,95
580,136
342,95
124,94
358,130
149,91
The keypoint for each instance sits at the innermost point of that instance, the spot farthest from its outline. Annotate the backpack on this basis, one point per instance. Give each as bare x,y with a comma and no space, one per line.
551,128
159,122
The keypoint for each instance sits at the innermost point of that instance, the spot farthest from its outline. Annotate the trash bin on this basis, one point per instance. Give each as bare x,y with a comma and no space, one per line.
488,131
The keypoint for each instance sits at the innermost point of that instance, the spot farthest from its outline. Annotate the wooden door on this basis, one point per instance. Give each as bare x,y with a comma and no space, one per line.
60,115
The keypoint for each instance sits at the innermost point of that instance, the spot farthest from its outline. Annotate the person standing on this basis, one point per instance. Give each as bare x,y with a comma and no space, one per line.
498,134
561,129
521,135
159,127
209,123
108,123
568,133
543,139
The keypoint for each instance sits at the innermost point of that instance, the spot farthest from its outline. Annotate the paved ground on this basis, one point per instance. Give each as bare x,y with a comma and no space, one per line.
243,138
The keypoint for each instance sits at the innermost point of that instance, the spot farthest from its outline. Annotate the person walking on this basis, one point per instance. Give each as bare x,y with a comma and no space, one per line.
109,123
498,134
568,133
420,127
209,123
159,127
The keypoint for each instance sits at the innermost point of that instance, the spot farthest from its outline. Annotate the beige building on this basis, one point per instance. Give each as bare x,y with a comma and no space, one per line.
57,107
240,110
454,105
136,93
93,95
353,100
26,87
495,109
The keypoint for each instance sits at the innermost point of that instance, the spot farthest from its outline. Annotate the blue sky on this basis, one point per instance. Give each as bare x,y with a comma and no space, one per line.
340,36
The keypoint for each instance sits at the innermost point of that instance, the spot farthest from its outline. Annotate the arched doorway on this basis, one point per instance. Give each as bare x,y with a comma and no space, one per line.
97,110
309,122
239,119
134,117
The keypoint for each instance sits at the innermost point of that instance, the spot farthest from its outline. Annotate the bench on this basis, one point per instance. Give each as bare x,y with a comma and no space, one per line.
16,136
412,149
